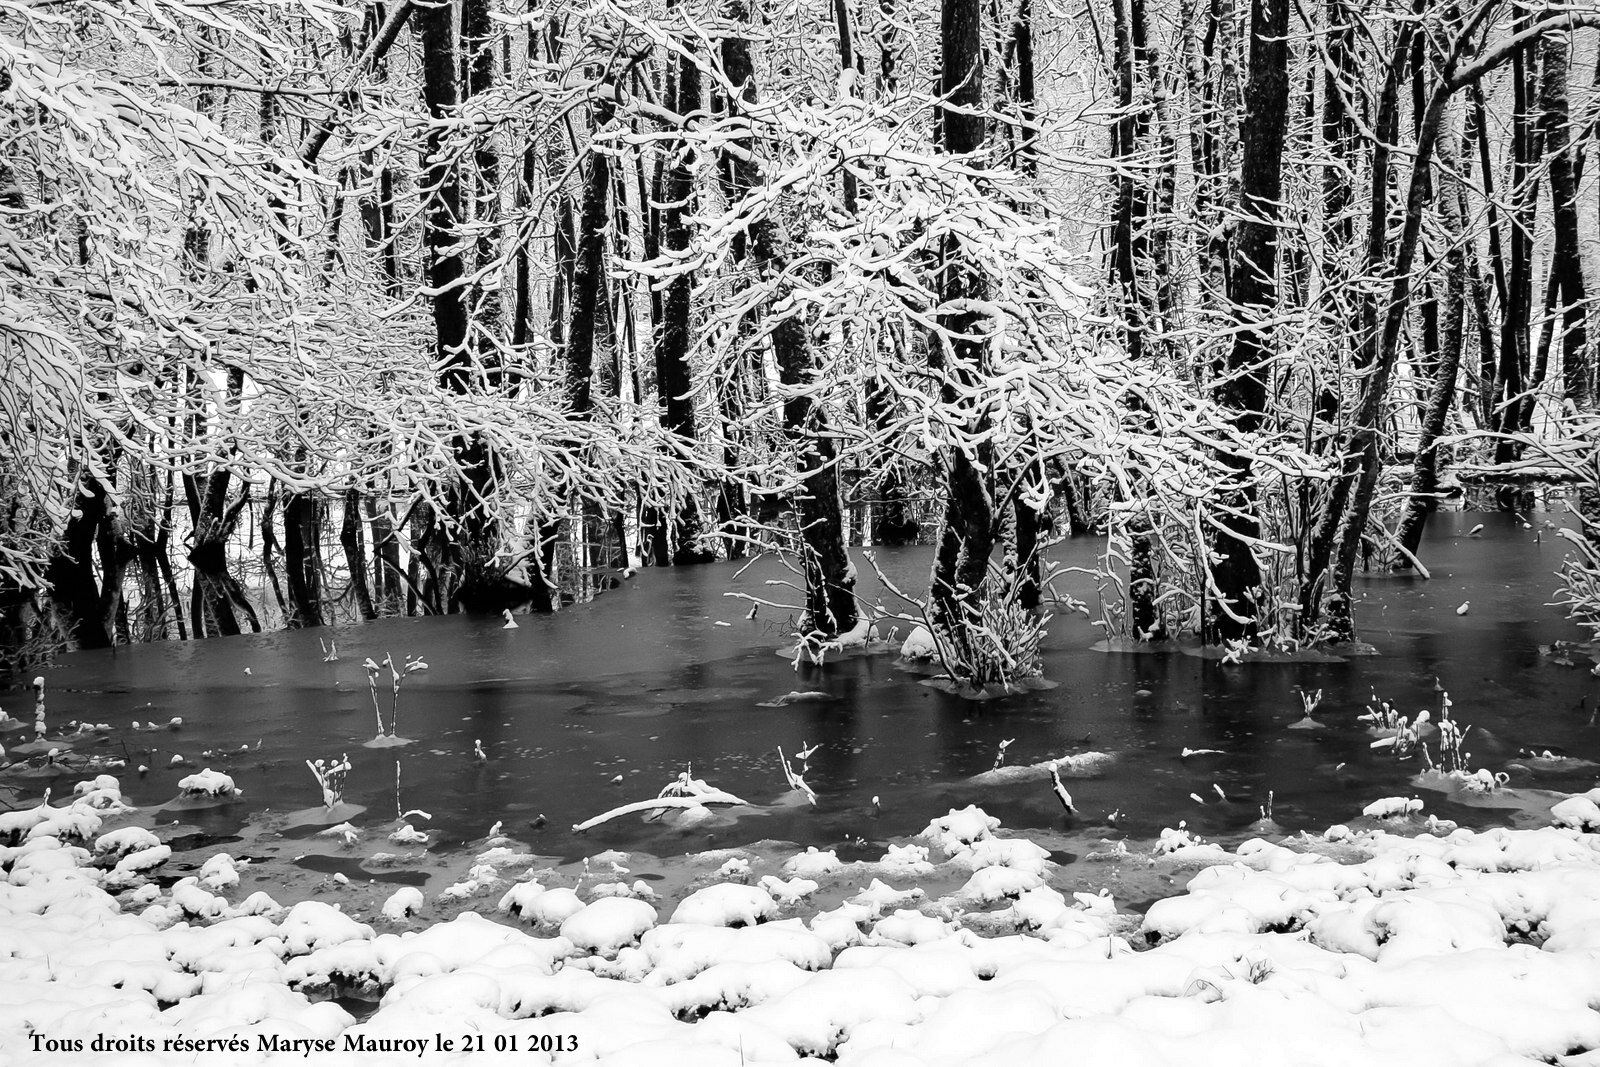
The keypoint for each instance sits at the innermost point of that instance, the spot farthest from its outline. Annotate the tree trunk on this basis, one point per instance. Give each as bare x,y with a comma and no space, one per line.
830,607
386,572
1129,246
588,272
442,251
1319,553
967,535
1019,64
1514,410
590,325
139,532
479,67
1364,440
302,549
1425,469
163,561
888,35
463,565
673,381
1339,135
271,548
74,592
1252,295
1473,146
355,553
217,598
1566,260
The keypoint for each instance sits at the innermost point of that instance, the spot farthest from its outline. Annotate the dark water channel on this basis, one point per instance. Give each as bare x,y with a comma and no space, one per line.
647,680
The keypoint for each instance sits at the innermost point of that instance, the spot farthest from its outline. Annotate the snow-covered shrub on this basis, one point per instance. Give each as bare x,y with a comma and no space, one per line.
727,904
403,903
608,924
330,775
991,643
957,830
1579,591
208,783
397,675
1392,808
812,863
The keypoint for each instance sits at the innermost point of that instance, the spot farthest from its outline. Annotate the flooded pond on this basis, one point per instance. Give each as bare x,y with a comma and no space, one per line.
604,703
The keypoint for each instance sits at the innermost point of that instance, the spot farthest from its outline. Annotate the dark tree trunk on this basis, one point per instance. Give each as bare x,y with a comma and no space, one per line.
893,519
386,572
355,553
1425,469
1130,252
1220,51
444,267
1514,411
1131,257
74,592
163,561
1027,521
464,571
153,603
1476,145
589,329
588,272
141,535
1566,260
1339,134
888,35
829,578
217,599
1319,554
1365,437
1198,83
655,535
270,548
967,534
1252,294
1019,57
479,65
734,501
302,543
677,328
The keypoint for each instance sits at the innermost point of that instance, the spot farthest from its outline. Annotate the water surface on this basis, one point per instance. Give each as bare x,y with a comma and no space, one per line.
667,672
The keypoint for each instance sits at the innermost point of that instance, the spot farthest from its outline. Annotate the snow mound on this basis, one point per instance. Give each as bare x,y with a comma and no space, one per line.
221,871
1458,947
1580,811
208,783
1392,808
311,924
957,831
727,904
788,891
127,839
919,645
608,924
813,864
403,903
550,907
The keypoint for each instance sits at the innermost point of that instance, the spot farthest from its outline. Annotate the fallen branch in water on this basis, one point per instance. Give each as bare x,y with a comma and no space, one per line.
657,804
685,791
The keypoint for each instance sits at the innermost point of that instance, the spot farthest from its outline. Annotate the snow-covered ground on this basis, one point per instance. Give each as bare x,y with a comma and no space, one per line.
1370,944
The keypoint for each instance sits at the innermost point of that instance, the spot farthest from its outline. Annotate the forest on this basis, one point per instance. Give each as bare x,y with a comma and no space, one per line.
314,313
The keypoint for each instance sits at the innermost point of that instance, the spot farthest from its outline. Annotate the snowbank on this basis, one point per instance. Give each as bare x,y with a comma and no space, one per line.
1367,947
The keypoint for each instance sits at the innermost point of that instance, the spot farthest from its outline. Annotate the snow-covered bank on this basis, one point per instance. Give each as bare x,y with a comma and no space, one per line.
961,947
